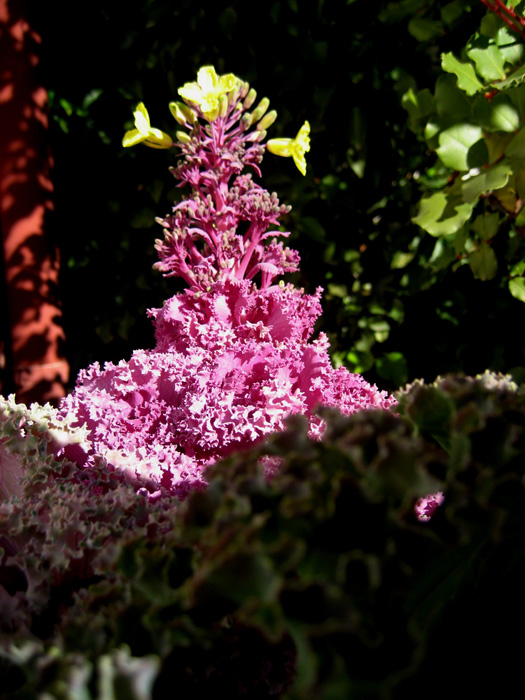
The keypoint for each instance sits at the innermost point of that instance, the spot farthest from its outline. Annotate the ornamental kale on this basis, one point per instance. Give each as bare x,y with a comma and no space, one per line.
233,355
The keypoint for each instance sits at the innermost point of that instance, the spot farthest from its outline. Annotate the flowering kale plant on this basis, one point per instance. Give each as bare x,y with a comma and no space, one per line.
233,356
254,587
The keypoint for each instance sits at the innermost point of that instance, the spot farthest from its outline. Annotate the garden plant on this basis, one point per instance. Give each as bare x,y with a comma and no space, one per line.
231,513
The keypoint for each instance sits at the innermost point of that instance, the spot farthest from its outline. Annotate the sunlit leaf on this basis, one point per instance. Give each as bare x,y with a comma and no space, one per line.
514,79
498,114
489,62
464,72
443,212
401,259
456,147
510,45
490,179
517,288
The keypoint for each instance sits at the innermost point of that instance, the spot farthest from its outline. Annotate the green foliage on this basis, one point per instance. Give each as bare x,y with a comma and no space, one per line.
475,123
316,582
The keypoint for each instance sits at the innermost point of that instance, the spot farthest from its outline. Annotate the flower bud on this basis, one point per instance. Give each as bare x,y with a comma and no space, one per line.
183,114
250,99
260,110
246,121
183,137
233,95
223,105
267,120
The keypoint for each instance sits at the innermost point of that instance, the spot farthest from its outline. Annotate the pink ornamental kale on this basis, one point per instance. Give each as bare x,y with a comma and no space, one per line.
233,356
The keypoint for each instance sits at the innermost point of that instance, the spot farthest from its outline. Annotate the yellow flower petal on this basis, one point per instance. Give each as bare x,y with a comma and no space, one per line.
207,79
300,161
191,92
158,139
296,147
142,122
144,132
132,138
280,147
227,83
303,137
207,91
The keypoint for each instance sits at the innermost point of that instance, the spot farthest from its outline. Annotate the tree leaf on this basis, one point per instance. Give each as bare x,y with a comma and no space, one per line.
443,212
464,72
419,105
489,62
498,114
496,144
518,167
486,226
483,262
450,100
393,367
456,146
517,288
424,29
516,147
517,97
514,79
490,179
510,46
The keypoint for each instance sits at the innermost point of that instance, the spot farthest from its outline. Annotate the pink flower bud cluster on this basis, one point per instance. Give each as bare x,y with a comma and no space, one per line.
234,355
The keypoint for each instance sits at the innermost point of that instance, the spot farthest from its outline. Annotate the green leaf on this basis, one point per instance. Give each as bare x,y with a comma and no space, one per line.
518,166
424,29
419,105
490,25
450,100
456,147
464,72
488,180
312,228
496,144
486,226
514,79
451,11
489,62
432,411
498,114
517,288
516,147
401,259
520,219
443,212
380,328
518,269
393,367
517,97
510,46
483,262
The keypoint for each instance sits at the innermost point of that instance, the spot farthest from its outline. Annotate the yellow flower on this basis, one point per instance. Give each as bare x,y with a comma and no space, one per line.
207,91
144,133
296,147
